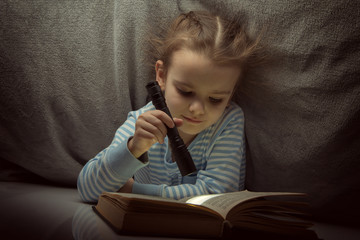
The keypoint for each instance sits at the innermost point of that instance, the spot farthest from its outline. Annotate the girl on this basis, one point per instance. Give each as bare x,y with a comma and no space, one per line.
201,61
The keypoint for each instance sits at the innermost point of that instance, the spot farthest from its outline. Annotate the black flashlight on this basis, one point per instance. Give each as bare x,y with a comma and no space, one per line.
179,150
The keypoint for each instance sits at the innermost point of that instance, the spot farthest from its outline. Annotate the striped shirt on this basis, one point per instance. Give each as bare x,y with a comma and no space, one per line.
218,153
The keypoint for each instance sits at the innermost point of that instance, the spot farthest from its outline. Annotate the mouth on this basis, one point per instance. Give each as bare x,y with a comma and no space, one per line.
192,120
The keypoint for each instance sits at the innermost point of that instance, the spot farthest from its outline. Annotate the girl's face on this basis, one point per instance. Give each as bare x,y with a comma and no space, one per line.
196,90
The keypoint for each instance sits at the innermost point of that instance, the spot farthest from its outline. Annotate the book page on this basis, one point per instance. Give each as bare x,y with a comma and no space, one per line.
223,203
160,203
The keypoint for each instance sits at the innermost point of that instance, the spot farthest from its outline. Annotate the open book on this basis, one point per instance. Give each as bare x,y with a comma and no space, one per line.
205,216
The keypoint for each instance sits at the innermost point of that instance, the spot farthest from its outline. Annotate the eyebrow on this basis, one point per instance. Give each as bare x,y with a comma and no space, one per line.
182,83
219,92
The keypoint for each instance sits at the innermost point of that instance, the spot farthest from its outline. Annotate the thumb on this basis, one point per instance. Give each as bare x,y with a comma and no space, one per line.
178,122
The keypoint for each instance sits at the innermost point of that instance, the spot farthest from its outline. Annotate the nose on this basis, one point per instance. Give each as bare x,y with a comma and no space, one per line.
197,107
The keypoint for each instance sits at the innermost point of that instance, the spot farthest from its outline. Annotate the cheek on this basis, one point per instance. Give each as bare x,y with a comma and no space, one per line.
174,101
216,111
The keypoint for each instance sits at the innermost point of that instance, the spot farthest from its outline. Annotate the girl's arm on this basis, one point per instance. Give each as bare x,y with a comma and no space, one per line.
110,169
224,172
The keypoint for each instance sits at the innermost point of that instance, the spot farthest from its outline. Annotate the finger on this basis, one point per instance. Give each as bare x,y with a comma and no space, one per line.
153,125
166,119
178,122
159,120
142,137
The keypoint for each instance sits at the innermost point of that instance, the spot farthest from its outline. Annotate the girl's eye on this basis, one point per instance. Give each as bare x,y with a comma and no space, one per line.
215,100
184,93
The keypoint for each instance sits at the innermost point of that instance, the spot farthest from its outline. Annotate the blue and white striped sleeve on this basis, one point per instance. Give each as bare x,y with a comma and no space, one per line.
225,169
110,169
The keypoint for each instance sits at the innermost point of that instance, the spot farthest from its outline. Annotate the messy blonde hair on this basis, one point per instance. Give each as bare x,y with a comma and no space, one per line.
223,41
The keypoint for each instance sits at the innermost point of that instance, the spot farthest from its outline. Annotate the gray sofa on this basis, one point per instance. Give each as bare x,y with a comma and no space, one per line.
70,72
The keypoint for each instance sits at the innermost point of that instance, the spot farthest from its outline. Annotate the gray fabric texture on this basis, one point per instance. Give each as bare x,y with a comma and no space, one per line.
70,72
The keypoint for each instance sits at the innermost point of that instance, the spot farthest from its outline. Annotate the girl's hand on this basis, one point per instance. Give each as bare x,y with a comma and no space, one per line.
149,129
127,188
